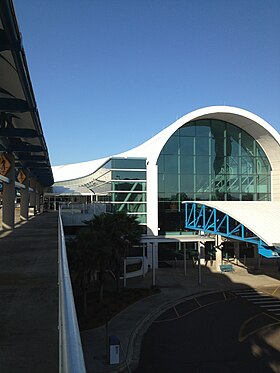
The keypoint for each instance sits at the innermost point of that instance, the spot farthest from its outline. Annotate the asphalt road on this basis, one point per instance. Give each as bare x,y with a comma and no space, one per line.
221,332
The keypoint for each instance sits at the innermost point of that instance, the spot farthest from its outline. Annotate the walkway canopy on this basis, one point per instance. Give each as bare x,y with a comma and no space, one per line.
21,132
253,222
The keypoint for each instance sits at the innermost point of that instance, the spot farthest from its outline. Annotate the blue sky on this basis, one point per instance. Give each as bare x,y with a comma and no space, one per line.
109,74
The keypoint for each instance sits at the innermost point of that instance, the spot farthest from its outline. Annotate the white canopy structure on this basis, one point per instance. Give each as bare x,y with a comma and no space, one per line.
260,217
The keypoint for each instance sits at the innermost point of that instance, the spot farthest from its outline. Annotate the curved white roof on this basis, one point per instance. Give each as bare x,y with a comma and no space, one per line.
263,132
262,218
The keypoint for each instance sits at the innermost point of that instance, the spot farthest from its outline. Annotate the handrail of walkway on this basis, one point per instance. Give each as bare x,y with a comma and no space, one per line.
71,359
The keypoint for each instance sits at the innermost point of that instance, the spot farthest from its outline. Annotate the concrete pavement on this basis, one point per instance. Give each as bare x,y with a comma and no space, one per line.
131,324
29,297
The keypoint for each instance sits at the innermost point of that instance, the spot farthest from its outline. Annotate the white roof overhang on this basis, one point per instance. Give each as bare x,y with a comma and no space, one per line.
260,217
264,133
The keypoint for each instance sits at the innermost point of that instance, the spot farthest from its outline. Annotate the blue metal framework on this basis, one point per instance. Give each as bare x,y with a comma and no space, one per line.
201,217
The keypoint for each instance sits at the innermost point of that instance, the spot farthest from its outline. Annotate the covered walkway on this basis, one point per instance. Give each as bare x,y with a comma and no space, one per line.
253,222
29,297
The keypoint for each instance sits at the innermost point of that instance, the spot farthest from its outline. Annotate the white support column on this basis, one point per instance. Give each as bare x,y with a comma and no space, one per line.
24,197
199,262
152,199
32,195
257,257
37,197
219,256
155,251
150,254
154,265
9,194
185,258
236,251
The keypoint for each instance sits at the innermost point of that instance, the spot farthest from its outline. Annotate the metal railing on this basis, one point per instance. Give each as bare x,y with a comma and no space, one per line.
77,213
71,359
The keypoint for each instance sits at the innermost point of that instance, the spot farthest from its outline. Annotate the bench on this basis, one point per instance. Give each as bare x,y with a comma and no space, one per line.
226,268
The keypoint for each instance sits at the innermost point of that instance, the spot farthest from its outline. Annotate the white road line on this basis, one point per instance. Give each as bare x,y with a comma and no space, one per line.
255,296
273,309
248,292
270,305
264,301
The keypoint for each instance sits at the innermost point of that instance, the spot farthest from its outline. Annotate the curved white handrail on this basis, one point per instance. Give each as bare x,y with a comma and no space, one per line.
71,359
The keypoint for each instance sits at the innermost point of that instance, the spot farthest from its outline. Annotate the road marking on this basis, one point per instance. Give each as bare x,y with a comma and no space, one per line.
243,338
197,302
191,311
254,296
273,310
275,290
250,292
265,301
177,314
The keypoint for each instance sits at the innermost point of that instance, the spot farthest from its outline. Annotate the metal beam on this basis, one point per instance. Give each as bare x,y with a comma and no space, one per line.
210,220
14,105
18,132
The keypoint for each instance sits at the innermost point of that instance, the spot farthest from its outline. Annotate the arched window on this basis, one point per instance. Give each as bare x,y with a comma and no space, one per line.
209,159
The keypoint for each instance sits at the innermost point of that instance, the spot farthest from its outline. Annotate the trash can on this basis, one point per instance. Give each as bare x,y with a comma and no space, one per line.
114,350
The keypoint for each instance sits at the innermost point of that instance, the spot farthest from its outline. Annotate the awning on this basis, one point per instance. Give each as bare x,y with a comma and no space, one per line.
260,217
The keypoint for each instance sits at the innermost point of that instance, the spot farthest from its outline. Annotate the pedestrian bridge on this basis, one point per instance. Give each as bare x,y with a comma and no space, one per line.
256,222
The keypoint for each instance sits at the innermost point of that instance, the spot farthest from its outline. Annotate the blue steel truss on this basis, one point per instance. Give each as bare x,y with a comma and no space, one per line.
210,220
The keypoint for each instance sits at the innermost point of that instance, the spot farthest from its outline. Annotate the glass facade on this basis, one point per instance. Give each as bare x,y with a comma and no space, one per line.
122,183
209,160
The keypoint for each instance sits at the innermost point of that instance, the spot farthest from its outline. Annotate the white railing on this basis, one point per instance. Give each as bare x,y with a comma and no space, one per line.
77,213
71,359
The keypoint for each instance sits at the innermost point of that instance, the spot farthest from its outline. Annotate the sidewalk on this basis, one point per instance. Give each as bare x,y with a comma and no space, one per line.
131,324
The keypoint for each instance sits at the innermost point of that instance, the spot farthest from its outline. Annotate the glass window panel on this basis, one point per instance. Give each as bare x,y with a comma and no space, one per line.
233,183
247,144
128,163
130,197
203,128
218,128
235,148
171,164
218,184
129,175
161,163
202,196
202,183
217,147
202,146
187,145
187,183
233,132
188,130
247,166
126,186
172,145
171,183
263,184
202,165
248,184
263,197
161,184
218,165
187,164
233,165
233,196
262,166
247,197
259,151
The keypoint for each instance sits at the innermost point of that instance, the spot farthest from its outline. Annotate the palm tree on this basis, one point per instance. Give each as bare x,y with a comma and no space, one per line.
106,240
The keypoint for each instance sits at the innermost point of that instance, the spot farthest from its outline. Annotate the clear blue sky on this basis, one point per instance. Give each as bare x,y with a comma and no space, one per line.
109,74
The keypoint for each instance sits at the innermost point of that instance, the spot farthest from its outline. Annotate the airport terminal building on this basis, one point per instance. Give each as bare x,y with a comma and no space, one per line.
215,156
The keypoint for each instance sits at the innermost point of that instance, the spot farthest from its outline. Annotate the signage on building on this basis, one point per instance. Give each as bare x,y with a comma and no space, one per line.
21,176
4,164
